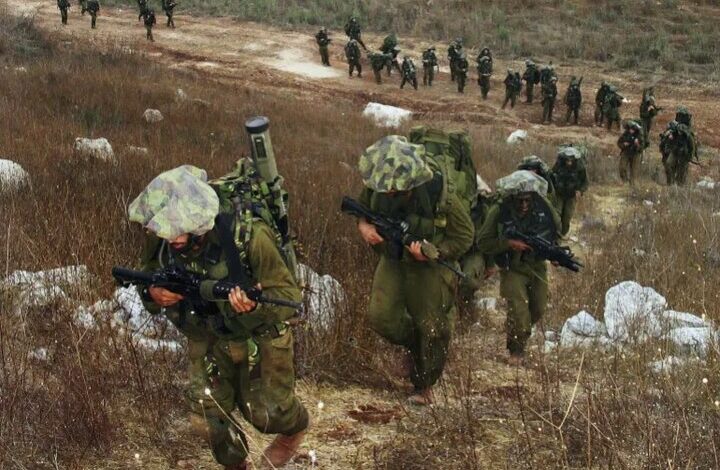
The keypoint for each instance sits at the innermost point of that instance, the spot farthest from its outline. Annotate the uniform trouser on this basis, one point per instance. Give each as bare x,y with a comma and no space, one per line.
566,209
412,80
647,124
170,21
461,78
509,97
676,169
413,305
63,15
473,265
378,76
574,112
612,119
548,107
484,82
526,296
629,166
599,115
264,394
452,71
356,66
324,55
149,33
93,19
428,75
529,87
359,39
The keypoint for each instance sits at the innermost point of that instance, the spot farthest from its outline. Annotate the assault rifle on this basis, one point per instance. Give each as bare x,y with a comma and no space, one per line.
396,234
542,248
189,285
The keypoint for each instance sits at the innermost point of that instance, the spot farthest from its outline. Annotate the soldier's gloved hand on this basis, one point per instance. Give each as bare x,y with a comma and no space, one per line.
369,233
415,250
240,302
164,297
519,245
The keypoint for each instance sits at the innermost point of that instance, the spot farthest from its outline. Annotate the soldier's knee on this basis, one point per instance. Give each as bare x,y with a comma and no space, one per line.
271,418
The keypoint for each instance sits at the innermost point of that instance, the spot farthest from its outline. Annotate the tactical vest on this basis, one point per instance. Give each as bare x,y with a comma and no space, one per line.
538,222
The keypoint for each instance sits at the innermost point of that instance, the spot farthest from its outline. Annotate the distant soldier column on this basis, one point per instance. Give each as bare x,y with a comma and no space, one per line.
352,53
611,107
573,100
531,76
409,73
454,50
631,149
485,69
570,177
681,146
353,31
168,7
93,7
323,42
149,20
600,103
378,61
63,5
549,94
430,63
648,109
461,71
513,85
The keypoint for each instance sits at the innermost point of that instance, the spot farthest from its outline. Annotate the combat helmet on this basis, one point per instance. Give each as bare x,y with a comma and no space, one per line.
569,152
683,116
521,181
394,164
534,163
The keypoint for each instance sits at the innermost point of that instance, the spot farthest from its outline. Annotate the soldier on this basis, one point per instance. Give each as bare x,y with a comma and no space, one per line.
648,109
513,85
83,6
240,352
93,6
611,107
149,20
600,102
538,166
394,60
409,73
546,73
378,61
390,43
461,71
168,7
680,147
352,29
570,178
400,182
531,76
352,53
573,100
323,41
484,67
142,9
631,144
454,51
523,279
549,94
63,5
430,63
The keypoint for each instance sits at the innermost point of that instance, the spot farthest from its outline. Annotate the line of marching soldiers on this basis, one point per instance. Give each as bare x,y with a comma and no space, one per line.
146,13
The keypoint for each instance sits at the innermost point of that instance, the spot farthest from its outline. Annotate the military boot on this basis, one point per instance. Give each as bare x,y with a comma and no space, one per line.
283,448
422,397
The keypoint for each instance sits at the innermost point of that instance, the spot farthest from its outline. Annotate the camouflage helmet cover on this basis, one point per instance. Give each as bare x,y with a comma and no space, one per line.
569,152
522,181
176,202
533,162
394,164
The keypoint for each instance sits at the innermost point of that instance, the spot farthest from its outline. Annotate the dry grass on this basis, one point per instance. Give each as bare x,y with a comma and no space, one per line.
98,395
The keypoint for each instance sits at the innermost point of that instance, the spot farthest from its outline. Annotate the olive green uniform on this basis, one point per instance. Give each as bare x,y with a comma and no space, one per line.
631,149
412,303
568,181
244,360
323,42
523,278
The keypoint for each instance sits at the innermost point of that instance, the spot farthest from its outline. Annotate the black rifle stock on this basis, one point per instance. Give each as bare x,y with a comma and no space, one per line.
395,233
187,284
562,255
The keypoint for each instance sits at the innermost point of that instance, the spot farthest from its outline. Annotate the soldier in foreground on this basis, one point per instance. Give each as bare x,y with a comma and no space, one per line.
531,76
409,73
149,20
378,61
679,147
631,144
573,100
430,63
600,102
570,177
611,107
513,85
461,71
353,31
485,68
93,7
63,6
538,166
168,7
549,94
648,109
523,279
240,351
352,53
323,42
400,183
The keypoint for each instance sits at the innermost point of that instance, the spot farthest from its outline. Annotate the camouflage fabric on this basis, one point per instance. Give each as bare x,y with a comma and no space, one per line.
176,202
394,164
533,162
569,152
521,181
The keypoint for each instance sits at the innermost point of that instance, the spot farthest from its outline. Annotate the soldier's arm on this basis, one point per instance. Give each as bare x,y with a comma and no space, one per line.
149,262
459,233
583,179
489,241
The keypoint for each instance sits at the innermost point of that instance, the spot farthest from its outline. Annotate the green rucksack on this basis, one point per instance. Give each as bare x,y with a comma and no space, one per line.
450,152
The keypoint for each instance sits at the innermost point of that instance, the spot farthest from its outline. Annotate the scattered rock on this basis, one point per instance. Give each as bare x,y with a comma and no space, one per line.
648,203
95,148
581,330
180,96
66,275
386,116
707,183
631,312
152,344
550,346
152,116
137,151
39,354
12,176
673,319
324,296
695,341
517,136
486,303
666,365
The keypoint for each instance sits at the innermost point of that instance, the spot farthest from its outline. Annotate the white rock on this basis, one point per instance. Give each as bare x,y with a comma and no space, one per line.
581,330
152,116
648,203
631,312
324,297
73,275
386,116
95,148
39,354
550,346
695,341
137,151
21,69
86,317
666,365
152,344
12,176
130,310
180,96
672,319
42,295
707,183
551,335
486,303
517,136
